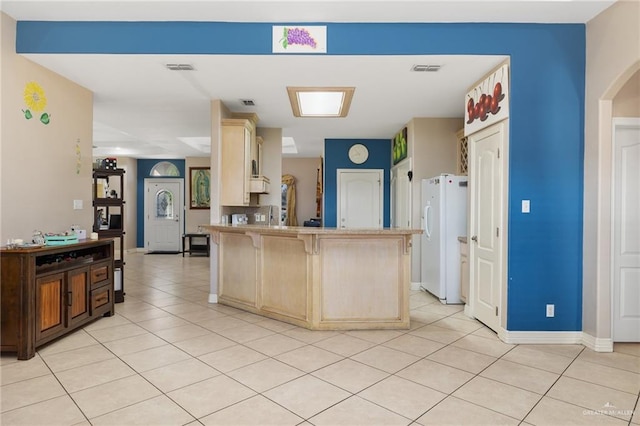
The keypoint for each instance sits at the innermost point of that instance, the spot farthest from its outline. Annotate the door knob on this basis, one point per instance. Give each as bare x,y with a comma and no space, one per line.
474,238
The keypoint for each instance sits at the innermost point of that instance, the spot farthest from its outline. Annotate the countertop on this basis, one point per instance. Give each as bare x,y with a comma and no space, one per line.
312,230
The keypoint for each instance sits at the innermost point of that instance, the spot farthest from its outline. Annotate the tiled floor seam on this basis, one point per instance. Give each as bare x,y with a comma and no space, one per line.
64,388
565,402
307,419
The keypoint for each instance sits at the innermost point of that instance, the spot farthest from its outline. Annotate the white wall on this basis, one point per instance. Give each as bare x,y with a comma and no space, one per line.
613,56
42,171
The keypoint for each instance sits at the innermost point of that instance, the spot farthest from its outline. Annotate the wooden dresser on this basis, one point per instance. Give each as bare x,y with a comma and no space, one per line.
49,291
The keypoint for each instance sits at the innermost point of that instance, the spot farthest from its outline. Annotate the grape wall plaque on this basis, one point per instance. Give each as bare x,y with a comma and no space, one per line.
299,39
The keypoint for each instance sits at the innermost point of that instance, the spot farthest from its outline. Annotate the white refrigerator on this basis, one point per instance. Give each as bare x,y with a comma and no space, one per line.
444,219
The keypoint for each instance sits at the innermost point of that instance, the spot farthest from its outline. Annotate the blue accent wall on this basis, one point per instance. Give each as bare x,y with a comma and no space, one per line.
144,168
336,153
546,130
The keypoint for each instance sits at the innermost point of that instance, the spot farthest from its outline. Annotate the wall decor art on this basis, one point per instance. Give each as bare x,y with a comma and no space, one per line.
78,157
36,101
487,102
399,146
299,39
199,187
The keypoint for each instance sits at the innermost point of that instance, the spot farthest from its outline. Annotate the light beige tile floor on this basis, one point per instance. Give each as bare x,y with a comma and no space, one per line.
168,357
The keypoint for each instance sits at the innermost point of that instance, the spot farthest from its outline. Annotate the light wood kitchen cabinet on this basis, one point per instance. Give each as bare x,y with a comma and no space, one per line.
238,135
241,170
259,183
316,277
464,270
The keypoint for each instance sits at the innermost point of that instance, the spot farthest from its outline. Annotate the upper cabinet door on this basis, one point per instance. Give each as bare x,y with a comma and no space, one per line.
236,156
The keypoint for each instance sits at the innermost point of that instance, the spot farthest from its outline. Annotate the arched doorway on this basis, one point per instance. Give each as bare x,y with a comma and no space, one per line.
605,214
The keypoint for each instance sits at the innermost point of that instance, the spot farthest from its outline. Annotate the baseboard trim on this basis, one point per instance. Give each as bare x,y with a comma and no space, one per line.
597,344
542,337
468,311
415,286
213,298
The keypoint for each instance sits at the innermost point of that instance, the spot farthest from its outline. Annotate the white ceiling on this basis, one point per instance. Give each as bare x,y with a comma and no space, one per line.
143,110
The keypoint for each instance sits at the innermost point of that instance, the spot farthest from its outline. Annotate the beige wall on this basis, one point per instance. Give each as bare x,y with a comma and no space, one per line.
218,112
613,56
627,100
432,145
271,165
305,171
39,174
195,218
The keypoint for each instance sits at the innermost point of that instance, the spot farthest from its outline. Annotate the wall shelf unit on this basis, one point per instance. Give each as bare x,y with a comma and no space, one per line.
108,214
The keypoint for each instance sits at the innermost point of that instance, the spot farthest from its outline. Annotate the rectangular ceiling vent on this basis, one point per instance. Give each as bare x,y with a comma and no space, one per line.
180,67
247,102
426,68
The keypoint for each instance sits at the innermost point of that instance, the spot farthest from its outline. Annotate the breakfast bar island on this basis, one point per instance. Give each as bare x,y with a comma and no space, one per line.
318,278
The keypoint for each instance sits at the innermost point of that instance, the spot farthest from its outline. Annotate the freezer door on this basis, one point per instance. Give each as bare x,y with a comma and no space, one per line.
431,240
454,225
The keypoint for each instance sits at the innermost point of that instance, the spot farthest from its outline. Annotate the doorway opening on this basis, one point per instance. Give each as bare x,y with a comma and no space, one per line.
163,214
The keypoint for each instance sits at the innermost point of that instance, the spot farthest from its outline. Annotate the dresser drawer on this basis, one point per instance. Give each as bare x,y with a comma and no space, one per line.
101,299
100,272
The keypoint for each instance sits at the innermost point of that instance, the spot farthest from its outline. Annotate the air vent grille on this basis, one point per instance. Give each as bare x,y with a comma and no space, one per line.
426,68
180,67
247,102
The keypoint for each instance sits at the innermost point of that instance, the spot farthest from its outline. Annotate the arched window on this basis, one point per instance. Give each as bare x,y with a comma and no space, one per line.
164,168
164,205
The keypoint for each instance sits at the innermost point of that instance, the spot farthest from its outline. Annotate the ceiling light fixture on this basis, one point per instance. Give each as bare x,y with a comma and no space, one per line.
426,68
180,67
320,101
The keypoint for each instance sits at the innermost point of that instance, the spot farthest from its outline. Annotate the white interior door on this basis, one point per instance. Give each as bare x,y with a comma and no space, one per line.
164,205
486,223
360,198
626,230
401,196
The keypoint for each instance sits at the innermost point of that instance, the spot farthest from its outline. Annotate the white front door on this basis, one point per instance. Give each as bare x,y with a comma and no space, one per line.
360,198
486,223
164,205
626,230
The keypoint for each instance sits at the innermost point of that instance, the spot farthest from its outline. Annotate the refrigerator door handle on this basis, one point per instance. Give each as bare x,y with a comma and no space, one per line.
427,228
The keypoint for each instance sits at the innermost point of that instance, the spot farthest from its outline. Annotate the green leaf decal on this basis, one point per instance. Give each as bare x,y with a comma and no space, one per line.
27,114
45,118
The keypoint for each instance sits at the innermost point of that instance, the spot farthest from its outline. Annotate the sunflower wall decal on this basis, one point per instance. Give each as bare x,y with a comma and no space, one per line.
36,101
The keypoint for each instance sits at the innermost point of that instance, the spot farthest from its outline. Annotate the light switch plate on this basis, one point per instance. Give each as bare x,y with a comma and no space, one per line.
526,206
77,204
